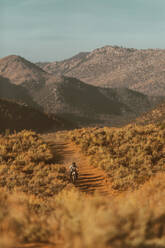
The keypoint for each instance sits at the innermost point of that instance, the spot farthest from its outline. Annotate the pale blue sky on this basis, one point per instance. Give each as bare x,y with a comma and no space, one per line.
49,30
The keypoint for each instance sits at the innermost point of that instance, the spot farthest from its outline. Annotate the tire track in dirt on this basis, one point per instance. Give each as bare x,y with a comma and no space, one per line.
38,245
90,179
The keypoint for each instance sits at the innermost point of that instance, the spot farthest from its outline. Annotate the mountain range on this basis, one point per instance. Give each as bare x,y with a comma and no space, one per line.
69,97
83,103
113,66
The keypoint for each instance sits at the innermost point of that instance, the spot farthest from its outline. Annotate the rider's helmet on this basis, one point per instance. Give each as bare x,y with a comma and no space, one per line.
74,164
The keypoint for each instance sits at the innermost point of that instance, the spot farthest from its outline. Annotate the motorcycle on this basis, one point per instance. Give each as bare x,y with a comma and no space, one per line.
74,176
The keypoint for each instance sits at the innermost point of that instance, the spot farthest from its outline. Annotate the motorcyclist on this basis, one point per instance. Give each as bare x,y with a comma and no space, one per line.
73,167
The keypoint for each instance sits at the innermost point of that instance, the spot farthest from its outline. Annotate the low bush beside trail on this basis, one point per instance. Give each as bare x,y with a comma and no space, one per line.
129,155
26,163
74,220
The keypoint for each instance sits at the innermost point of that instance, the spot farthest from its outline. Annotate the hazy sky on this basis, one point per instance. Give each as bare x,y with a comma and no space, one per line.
49,30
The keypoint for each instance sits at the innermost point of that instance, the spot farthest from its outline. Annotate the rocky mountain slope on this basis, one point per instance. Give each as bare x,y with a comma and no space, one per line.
112,66
22,72
83,103
60,68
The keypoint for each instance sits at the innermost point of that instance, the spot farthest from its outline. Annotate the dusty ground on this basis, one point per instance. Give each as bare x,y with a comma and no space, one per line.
91,179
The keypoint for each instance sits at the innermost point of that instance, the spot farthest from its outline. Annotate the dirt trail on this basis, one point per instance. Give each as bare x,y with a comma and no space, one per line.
38,245
90,179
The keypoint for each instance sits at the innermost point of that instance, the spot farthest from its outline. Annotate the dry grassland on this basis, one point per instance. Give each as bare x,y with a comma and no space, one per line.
37,204
129,155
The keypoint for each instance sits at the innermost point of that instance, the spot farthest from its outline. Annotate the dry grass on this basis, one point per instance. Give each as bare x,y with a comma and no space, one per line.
26,163
132,219
135,220
130,155
23,218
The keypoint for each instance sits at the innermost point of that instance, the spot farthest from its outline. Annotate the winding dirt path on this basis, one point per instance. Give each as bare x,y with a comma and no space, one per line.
91,179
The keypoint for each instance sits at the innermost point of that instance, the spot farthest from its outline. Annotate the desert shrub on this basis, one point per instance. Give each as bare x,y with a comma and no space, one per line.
26,162
134,219
23,218
130,155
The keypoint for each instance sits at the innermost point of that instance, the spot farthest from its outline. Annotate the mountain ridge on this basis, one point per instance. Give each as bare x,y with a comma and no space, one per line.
21,72
112,66
76,100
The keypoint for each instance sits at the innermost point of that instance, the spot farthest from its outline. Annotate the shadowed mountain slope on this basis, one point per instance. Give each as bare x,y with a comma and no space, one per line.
16,93
112,66
76,100
17,117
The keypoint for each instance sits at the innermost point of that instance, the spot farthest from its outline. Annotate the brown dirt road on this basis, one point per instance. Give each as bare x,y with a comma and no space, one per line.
91,179
38,245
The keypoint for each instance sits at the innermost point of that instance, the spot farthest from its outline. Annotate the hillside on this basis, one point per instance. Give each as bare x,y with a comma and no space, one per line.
17,117
19,70
16,92
112,66
22,72
129,155
87,104
63,66
155,116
